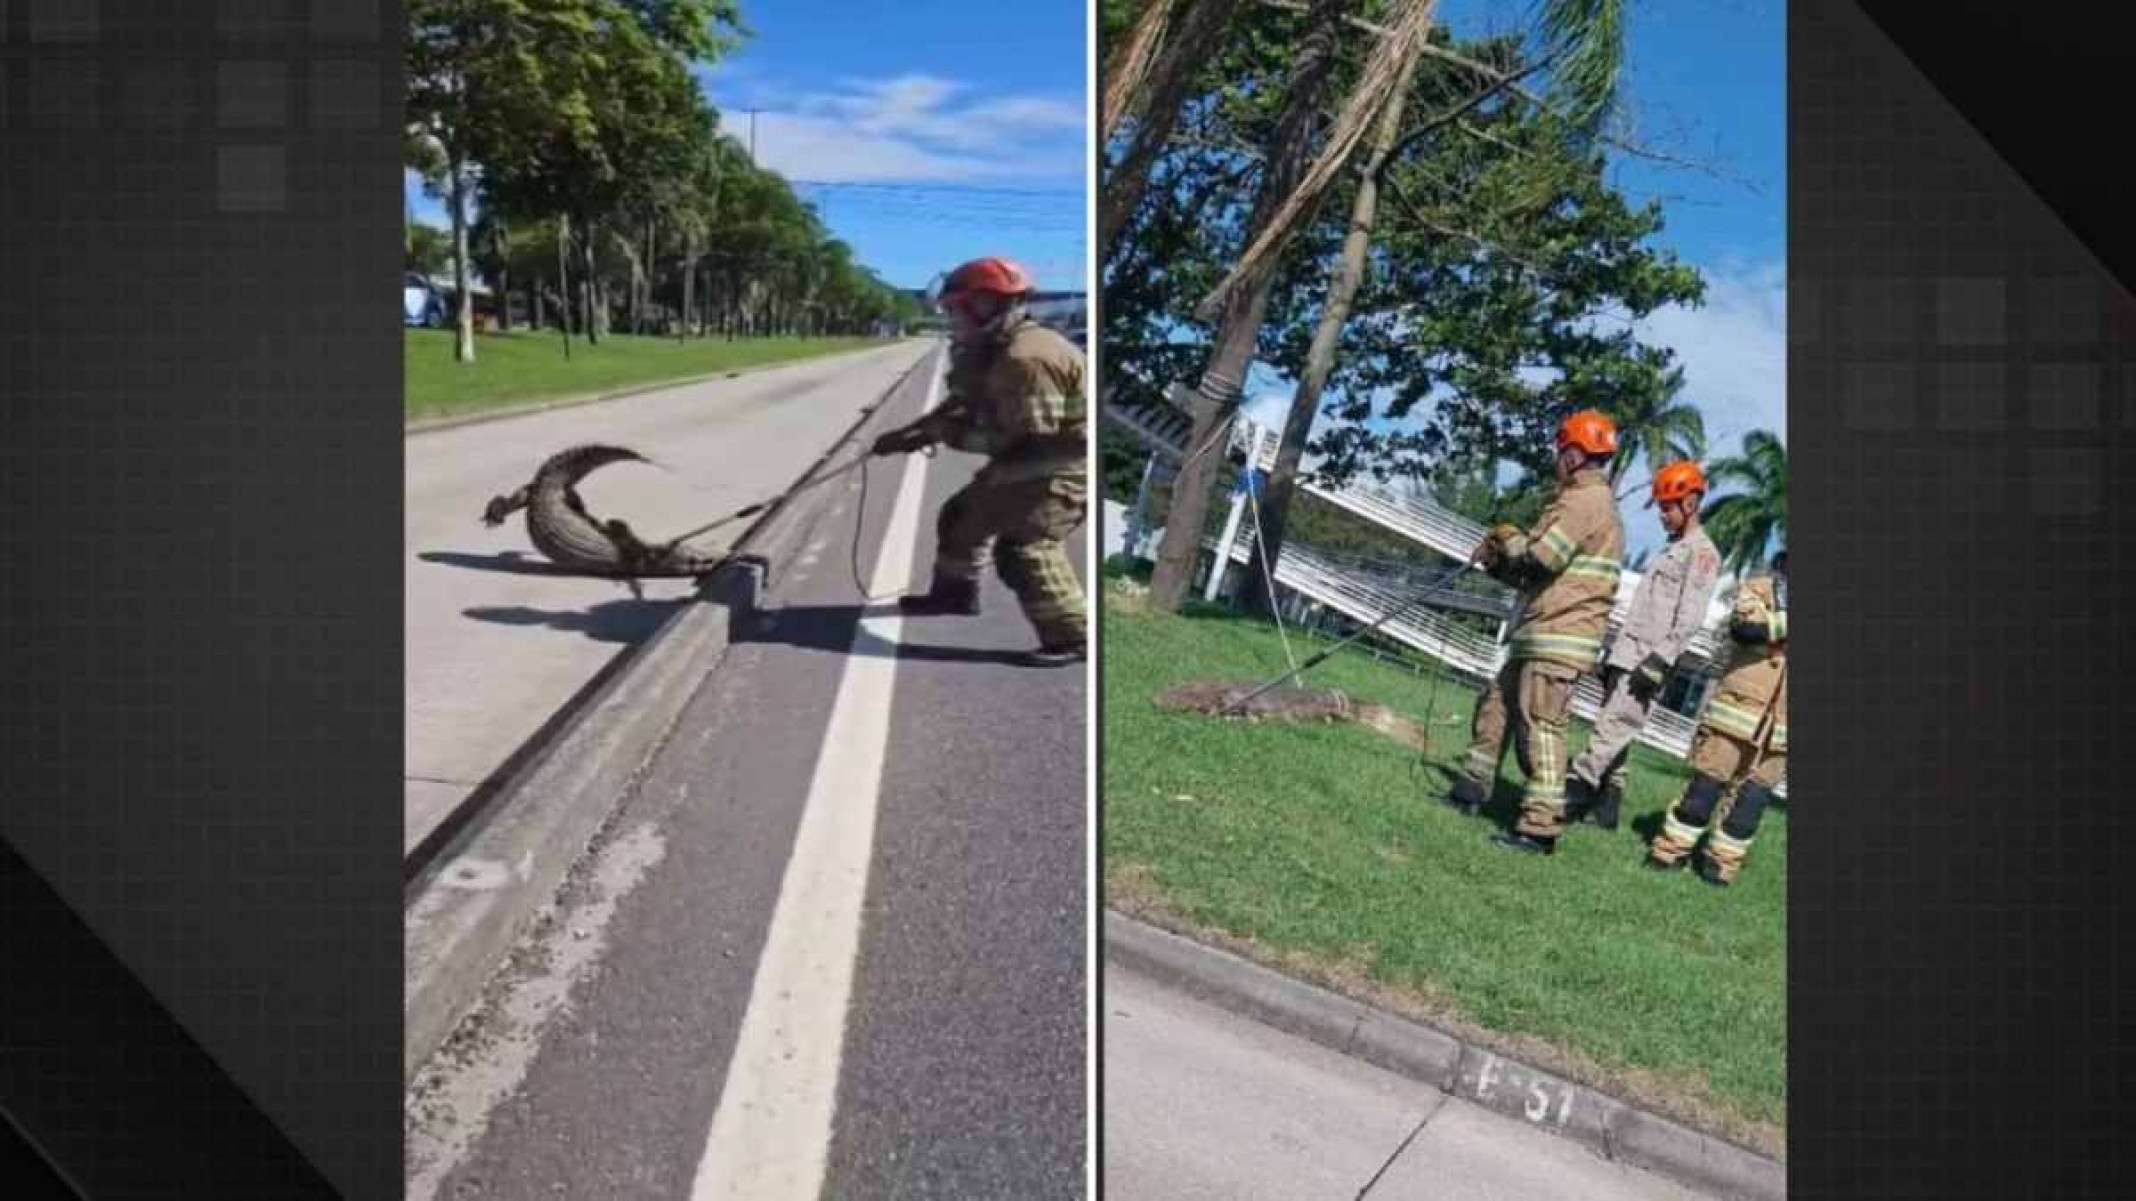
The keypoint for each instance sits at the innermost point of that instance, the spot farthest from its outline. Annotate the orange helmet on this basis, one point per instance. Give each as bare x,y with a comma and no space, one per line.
1590,431
998,275
1677,480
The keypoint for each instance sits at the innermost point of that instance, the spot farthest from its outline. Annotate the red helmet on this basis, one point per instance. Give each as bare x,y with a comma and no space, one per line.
1677,480
1001,276
1590,431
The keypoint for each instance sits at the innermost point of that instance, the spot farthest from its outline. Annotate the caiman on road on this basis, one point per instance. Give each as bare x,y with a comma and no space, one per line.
574,539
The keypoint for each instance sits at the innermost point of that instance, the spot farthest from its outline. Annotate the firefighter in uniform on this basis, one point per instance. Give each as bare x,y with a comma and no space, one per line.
1666,610
1741,740
1566,572
1015,394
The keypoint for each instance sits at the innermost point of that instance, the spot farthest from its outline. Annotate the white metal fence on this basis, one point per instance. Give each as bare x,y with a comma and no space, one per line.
1365,596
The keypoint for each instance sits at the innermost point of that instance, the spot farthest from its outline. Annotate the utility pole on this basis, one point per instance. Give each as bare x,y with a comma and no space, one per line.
752,137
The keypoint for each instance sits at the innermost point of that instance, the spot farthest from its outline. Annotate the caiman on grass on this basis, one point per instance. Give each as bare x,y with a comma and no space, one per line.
574,539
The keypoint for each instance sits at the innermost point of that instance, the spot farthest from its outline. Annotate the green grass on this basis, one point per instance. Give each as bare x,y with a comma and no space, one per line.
1327,844
520,368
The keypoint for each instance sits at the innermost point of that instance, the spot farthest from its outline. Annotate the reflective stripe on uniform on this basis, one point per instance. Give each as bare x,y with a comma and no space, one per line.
1595,567
1722,842
1553,549
1678,829
1575,650
1724,718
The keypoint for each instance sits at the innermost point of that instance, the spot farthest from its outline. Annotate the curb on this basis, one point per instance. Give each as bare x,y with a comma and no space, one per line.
1615,1130
466,911
433,425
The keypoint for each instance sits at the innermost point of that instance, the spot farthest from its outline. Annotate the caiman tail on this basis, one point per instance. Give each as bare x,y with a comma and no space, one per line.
570,537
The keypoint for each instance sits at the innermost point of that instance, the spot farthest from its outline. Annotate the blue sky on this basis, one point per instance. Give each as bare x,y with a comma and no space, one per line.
926,132
963,126
1705,80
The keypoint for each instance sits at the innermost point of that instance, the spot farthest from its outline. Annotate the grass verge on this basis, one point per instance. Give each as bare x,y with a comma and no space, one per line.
1324,850
511,370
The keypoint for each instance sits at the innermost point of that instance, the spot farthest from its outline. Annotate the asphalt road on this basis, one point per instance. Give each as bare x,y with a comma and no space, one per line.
834,945
1203,1105
496,644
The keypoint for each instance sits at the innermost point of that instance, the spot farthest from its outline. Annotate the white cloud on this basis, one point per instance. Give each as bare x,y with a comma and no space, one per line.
1734,351
911,128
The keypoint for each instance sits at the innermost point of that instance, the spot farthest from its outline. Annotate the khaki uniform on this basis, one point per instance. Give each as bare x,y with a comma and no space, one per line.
1742,736
1018,399
1666,611
1567,568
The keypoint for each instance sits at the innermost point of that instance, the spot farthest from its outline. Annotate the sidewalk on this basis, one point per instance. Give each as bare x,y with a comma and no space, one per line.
1201,1103
1235,1080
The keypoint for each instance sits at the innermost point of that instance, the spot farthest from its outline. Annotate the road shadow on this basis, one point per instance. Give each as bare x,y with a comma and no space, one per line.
835,629
623,622
512,562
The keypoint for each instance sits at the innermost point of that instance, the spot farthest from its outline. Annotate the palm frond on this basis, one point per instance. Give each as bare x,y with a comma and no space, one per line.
1586,40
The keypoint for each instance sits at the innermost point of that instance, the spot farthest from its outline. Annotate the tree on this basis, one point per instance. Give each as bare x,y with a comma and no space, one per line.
1496,287
1745,524
454,49
1343,283
1579,42
1585,38
1244,306
429,249
1156,66
1654,426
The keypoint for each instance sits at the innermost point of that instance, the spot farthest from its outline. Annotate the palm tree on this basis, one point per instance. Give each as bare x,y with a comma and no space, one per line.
1745,523
1656,427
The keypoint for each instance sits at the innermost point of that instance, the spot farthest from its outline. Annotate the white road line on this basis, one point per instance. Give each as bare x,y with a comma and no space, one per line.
771,1133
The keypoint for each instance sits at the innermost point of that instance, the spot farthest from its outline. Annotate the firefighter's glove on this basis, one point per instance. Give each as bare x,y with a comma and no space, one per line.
902,441
1648,677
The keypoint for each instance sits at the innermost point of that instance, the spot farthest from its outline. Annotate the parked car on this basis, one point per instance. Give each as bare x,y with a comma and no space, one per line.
422,304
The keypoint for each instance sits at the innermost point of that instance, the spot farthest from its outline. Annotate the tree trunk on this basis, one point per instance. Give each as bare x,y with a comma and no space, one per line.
1195,35
596,301
689,297
1223,378
1320,359
563,281
1127,68
464,343
504,278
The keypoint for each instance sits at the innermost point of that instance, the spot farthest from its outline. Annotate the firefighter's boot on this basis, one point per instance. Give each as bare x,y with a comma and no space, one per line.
1468,796
1531,844
1059,654
1580,799
1685,822
949,596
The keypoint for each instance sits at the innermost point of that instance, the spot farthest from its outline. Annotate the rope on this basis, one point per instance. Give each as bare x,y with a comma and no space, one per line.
1239,705
1268,575
760,506
860,526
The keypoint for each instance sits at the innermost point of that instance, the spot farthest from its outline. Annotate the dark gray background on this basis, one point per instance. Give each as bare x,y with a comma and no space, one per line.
1961,400
200,466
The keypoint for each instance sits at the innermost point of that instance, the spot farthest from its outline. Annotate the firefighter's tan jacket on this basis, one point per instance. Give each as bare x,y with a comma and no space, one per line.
1569,563
1670,603
1750,701
1019,400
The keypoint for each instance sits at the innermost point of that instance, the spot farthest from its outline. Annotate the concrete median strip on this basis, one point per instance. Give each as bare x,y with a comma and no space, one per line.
466,911
1610,1127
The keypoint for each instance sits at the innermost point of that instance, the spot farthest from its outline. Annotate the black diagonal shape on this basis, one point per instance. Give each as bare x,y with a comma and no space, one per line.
2046,88
30,1173
106,1089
